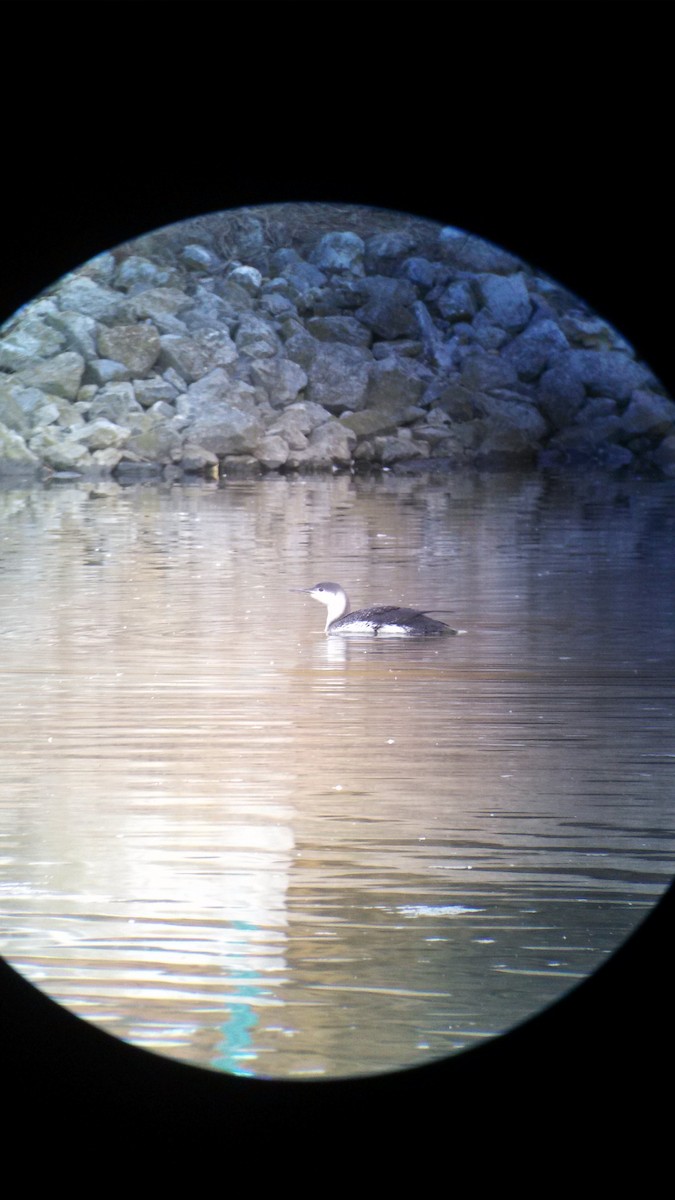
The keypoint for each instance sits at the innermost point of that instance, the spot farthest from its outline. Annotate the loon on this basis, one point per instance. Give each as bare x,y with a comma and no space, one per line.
382,620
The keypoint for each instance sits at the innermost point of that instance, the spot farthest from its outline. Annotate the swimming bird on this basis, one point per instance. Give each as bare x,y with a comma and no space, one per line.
382,620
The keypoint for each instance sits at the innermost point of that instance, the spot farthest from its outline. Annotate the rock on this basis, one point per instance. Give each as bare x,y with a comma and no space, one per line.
506,299
483,372
385,251
117,403
61,375
195,459
227,429
256,338
15,457
272,452
198,258
396,381
281,378
27,340
137,273
514,433
457,302
388,308
383,419
156,443
343,329
591,333
420,272
105,370
159,305
468,253
248,278
340,252
196,356
136,346
338,376
402,348
101,434
18,404
107,460
399,448
79,332
150,391
663,456
61,454
82,295
608,372
648,413
560,393
533,349
329,445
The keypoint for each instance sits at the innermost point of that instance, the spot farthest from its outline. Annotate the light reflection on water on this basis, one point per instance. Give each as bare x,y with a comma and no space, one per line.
233,840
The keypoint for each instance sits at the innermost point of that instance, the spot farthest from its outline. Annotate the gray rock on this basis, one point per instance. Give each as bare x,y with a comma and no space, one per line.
15,457
117,403
198,258
560,393
256,337
380,420
402,348
514,433
483,332
228,430
399,448
663,456
79,332
339,329
196,356
156,443
466,252
281,378
340,252
458,302
385,251
396,381
338,376
27,340
137,273
150,391
272,452
100,434
277,306
159,305
195,459
106,370
608,372
419,271
484,372
591,333
95,300
533,350
249,278
329,445
19,404
61,454
136,346
648,413
506,299
61,375
106,460
388,308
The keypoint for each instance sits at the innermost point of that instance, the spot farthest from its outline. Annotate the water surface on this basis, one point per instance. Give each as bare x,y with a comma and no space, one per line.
232,840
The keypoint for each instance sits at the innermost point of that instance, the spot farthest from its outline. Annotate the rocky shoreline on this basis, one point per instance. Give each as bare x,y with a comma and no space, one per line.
303,338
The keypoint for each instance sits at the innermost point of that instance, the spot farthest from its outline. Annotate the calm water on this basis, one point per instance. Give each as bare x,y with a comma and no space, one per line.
229,839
